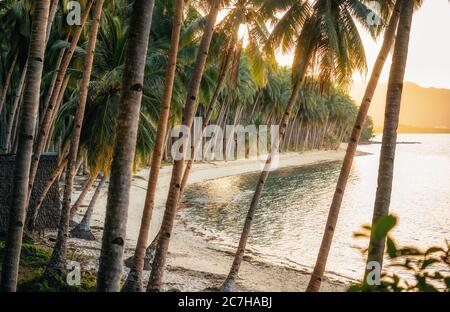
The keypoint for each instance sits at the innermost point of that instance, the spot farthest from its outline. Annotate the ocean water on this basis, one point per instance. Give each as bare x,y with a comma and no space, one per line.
290,219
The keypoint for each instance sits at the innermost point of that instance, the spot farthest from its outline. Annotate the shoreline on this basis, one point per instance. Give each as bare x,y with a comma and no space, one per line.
197,259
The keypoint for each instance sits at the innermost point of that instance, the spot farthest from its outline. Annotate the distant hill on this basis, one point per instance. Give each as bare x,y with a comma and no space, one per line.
424,110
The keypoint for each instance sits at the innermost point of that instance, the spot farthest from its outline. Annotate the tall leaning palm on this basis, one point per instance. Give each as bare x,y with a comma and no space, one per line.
10,266
57,262
242,14
329,39
391,121
110,268
173,196
134,279
389,38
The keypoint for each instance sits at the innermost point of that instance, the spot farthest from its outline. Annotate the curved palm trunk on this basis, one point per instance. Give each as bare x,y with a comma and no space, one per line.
134,279
8,80
83,229
51,19
86,187
209,112
57,261
54,177
10,263
229,283
110,269
389,38
12,116
46,121
56,110
391,120
53,82
155,281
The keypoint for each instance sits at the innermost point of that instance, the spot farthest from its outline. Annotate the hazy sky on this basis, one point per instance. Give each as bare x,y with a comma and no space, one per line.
429,54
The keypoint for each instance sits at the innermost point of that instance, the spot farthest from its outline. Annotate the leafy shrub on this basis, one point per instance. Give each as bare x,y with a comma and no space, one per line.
429,269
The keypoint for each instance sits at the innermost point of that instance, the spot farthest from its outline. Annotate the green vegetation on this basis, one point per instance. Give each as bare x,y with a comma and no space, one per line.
33,259
428,270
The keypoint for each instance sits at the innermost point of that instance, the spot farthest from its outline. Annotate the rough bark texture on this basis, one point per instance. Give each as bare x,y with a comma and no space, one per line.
10,263
391,120
57,261
46,121
110,269
134,279
389,38
155,281
83,229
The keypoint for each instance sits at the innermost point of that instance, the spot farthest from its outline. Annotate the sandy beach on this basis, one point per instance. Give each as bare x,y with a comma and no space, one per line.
198,259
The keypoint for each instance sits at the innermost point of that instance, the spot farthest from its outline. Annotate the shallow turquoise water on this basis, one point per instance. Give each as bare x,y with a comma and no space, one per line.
291,216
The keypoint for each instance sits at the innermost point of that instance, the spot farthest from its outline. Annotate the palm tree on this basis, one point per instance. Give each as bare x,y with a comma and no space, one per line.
110,268
53,178
14,111
86,188
49,112
134,279
389,38
178,168
8,80
10,263
247,15
328,39
391,120
57,261
83,229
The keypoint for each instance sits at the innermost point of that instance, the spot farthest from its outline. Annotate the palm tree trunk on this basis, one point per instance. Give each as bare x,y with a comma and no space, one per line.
391,120
389,38
15,109
83,229
110,269
229,283
155,281
219,87
53,82
18,97
10,263
86,187
46,121
8,80
54,177
134,279
51,19
15,142
57,262
56,111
